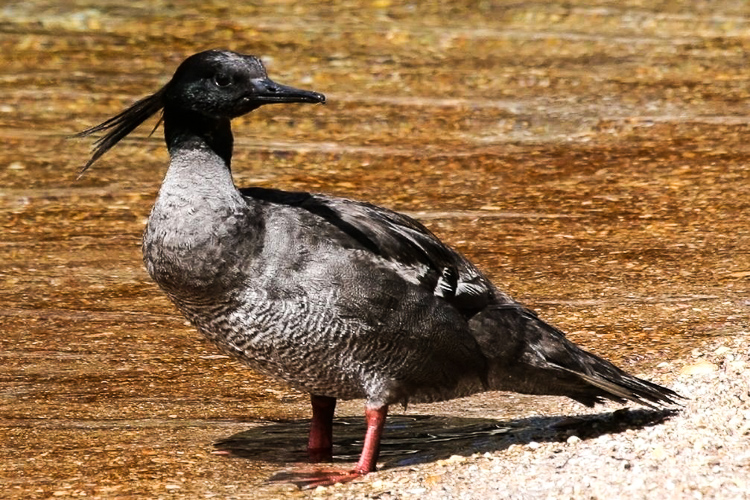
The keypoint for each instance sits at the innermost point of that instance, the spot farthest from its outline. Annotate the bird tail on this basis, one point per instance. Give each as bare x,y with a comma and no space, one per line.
530,356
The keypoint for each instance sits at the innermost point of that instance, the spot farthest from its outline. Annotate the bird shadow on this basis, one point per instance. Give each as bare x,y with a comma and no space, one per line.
415,439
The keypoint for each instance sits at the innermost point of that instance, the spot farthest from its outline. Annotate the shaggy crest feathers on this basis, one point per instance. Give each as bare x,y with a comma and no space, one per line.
122,124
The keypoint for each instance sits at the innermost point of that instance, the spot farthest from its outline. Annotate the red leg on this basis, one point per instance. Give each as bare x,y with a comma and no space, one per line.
320,443
319,432
368,460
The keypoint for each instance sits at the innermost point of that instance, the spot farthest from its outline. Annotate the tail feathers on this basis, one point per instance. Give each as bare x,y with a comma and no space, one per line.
629,388
530,356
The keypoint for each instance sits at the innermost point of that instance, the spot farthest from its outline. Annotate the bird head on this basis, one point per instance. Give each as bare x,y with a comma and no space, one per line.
212,85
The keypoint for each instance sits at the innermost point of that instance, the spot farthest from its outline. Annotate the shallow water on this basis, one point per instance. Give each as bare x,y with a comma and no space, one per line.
591,159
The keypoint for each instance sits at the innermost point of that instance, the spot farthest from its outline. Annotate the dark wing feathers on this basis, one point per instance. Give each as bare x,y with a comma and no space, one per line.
526,354
395,237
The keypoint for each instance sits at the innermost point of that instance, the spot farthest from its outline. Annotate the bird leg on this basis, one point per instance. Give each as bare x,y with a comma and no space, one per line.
371,449
320,443
319,431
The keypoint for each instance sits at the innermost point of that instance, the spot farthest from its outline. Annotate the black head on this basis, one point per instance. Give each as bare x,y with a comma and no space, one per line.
222,84
215,85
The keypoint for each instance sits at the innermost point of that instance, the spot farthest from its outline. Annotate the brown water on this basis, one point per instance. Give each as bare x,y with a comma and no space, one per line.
590,157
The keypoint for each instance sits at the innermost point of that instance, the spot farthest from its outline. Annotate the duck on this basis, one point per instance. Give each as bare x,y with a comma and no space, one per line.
339,298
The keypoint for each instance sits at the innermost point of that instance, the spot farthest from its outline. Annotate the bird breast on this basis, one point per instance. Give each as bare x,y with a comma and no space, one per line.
194,248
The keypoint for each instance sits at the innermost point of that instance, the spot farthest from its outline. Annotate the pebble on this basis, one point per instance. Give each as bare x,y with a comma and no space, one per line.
573,439
451,460
699,368
659,453
722,350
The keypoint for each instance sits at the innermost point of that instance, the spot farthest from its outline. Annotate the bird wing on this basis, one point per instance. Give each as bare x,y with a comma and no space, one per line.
396,238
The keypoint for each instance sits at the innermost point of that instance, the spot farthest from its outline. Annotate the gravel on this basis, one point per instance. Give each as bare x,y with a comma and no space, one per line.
700,451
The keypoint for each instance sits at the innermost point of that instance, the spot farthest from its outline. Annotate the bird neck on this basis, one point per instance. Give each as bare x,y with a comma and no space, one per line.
189,131
200,226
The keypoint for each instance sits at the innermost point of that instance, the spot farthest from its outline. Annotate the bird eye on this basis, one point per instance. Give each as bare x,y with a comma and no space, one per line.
222,80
